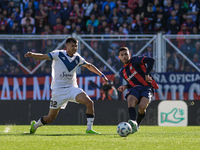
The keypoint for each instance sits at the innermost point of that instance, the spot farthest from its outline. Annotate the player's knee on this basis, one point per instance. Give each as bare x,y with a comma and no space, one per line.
142,107
89,103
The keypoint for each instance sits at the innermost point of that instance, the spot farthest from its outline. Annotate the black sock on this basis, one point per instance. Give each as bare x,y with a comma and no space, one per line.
140,117
132,113
89,115
42,120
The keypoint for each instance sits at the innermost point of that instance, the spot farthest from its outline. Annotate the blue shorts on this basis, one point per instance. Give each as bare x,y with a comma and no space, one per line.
140,91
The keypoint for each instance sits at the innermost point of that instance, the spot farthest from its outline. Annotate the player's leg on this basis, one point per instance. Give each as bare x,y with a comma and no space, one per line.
44,120
144,102
83,98
146,97
132,102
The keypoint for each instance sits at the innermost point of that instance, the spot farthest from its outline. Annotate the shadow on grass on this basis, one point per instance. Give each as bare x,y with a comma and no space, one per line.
70,134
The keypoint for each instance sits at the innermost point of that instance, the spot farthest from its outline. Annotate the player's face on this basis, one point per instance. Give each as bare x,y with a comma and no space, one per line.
72,48
124,56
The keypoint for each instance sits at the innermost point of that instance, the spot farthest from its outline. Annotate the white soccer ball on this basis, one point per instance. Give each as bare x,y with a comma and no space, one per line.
124,129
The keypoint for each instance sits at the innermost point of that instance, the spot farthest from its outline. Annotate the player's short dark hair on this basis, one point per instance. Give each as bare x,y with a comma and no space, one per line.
122,49
71,39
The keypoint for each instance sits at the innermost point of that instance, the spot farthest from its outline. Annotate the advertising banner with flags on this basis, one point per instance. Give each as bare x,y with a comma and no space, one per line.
172,86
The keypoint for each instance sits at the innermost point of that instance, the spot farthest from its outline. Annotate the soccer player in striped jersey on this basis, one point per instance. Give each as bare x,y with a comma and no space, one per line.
64,83
141,85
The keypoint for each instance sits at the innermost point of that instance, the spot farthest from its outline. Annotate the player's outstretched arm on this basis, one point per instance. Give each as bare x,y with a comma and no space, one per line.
94,69
38,56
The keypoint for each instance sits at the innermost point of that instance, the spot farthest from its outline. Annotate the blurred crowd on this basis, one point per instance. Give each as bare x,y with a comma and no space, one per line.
108,17
98,16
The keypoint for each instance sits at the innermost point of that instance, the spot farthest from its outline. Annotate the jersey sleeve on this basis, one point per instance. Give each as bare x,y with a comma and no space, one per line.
137,60
53,55
82,60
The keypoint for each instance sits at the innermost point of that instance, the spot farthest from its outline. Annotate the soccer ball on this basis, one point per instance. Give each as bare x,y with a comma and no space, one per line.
124,129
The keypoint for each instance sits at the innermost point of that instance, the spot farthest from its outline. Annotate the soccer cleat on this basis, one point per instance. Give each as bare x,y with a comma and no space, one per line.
32,130
134,126
91,132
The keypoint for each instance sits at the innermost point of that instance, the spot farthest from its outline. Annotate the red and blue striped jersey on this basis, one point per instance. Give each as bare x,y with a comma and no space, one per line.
134,73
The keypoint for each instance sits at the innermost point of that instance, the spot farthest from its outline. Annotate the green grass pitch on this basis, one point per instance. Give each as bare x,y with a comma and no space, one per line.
17,137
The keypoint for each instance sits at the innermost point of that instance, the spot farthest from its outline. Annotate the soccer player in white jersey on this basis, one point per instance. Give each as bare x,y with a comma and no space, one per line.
64,85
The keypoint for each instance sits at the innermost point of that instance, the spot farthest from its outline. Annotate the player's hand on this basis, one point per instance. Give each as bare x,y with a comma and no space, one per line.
148,78
122,88
28,54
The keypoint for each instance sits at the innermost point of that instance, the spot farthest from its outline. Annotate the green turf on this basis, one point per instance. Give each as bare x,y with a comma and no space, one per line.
73,137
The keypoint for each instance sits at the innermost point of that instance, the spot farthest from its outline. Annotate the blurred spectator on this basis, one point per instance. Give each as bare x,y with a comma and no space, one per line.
193,9
3,21
5,4
65,11
3,29
126,19
122,10
159,23
73,28
27,16
174,16
34,4
140,9
15,52
87,7
107,11
28,28
41,14
46,4
115,24
49,47
173,27
110,3
109,92
78,30
168,8
178,10
172,62
150,15
31,9
190,24
101,28
65,31
76,12
149,52
3,66
40,27
80,23
132,4
183,31
195,30
16,28
18,14
10,22
96,10
58,25
57,4
196,60
196,49
137,25
93,21
11,7
187,48
53,15
5,14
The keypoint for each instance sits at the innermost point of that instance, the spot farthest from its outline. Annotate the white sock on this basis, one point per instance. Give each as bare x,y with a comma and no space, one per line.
38,124
89,123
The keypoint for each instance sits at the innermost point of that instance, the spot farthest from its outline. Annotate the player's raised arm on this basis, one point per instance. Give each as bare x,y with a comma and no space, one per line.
94,69
38,56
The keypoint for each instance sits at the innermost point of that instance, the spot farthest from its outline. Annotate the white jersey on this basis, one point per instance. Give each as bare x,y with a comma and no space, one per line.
64,68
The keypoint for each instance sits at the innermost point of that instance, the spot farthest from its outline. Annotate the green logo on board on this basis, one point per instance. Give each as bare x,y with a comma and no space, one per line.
171,116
